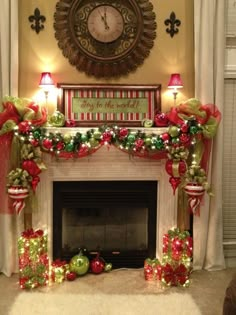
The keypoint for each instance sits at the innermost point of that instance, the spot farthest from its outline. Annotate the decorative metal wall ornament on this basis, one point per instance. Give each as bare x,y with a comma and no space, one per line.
37,19
105,38
173,22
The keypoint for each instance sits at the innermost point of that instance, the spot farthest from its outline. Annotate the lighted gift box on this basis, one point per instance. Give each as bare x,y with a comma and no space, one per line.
58,270
177,246
177,258
152,269
33,259
175,274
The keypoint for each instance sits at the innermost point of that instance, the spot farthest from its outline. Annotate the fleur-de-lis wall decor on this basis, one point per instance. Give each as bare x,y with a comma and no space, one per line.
173,23
37,21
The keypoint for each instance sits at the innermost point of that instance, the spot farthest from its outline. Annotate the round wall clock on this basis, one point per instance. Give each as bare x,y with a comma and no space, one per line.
105,38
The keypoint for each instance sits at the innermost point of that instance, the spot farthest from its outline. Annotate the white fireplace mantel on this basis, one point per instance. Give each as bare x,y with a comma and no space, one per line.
108,163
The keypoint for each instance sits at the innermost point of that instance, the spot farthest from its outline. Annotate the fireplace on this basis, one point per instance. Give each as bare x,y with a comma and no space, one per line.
115,218
107,164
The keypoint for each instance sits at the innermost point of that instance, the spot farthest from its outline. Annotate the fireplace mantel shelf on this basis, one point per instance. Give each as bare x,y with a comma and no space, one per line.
74,130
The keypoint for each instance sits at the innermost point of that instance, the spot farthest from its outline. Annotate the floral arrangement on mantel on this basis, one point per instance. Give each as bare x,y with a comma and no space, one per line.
184,143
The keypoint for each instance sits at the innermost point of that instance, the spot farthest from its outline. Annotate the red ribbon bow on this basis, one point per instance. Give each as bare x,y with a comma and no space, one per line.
30,233
174,276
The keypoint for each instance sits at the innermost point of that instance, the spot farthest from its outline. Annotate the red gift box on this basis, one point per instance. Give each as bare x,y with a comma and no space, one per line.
152,269
177,246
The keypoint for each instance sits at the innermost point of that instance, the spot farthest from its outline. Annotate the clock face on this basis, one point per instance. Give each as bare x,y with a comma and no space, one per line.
105,23
105,38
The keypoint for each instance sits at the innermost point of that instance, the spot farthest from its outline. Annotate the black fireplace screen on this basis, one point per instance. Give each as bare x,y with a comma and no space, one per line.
116,218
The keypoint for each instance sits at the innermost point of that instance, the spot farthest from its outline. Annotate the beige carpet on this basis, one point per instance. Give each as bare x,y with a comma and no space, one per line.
37,303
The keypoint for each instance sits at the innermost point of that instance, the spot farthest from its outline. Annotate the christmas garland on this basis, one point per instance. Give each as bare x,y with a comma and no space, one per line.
185,144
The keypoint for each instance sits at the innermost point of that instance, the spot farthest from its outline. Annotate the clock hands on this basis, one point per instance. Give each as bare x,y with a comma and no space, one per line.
104,19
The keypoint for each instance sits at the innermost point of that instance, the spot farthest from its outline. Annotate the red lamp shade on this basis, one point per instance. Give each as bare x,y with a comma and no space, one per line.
175,81
46,80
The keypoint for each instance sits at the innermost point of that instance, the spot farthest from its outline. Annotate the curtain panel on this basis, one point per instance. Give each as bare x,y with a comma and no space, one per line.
209,88
9,224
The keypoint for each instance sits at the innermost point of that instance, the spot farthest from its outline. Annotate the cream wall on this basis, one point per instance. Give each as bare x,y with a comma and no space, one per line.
39,53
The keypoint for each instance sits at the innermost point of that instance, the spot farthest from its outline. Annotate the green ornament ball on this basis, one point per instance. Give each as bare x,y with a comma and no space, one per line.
193,130
175,140
84,138
173,131
131,138
69,147
97,135
93,142
148,123
67,138
79,264
36,134
108,267
148,141
57,119
159,144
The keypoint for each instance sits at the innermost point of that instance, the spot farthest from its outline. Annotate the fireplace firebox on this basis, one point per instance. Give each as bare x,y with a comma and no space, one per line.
116,218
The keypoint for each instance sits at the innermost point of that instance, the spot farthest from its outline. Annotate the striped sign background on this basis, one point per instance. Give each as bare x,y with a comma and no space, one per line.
99,93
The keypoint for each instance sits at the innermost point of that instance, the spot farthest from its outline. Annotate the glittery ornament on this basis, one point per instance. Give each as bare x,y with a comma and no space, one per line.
57,119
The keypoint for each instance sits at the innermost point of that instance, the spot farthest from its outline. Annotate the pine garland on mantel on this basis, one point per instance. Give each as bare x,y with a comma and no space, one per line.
183,140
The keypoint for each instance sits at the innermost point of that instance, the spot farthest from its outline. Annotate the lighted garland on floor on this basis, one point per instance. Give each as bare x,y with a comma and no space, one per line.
184,143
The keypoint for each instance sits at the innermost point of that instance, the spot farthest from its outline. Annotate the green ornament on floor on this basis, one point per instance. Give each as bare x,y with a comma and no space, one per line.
57,119
79,264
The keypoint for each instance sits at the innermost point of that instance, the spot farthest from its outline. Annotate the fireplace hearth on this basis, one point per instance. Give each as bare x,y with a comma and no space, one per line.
115,218
107,164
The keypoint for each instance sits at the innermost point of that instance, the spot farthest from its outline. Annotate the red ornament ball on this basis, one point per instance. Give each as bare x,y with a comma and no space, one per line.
184,128
71,276
171,168
97,265
165,137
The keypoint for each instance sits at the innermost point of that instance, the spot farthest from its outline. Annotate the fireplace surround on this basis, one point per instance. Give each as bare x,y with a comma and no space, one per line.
107,164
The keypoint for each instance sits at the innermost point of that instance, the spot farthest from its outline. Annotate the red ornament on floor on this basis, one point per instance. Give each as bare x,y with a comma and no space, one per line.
71,276
97,264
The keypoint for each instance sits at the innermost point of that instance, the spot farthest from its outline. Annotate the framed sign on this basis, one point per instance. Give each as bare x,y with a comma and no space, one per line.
93,105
